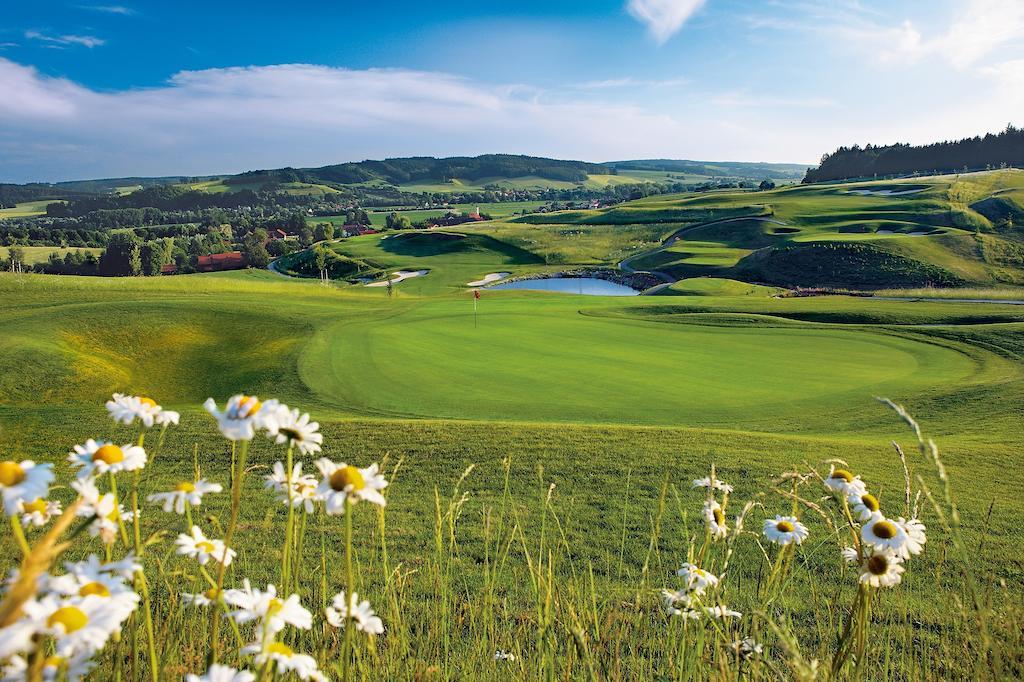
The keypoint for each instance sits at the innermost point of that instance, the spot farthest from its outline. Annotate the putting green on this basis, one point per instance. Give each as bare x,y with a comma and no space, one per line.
549,363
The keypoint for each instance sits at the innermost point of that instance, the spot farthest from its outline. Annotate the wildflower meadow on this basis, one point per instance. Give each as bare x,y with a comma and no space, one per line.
93,592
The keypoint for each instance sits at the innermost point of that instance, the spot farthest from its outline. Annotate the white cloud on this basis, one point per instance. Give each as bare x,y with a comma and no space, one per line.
65,40
630,82
109,9
234,119
663,18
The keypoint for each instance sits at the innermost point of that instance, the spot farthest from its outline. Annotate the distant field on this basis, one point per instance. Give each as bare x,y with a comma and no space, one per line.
39,254
26,209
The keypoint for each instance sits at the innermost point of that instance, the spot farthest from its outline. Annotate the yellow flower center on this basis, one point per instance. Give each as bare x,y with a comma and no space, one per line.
719,517
114,514
248,406
280,648
53,662
111,454
11,473
869,501
885,530
784,527
878,564
347,476
185,487
71,618
38,505
94,589
843,474
211,593
205,546
148,402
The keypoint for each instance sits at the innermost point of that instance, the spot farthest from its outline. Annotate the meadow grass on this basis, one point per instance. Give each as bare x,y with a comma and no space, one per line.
617,404
40,254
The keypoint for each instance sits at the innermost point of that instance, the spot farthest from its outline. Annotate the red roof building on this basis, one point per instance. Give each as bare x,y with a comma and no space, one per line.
232,260
169,269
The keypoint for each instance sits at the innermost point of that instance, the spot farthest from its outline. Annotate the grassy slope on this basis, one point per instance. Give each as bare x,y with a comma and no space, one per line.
26,209
651,387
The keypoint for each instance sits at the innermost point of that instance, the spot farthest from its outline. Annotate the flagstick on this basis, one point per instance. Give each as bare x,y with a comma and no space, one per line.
474,310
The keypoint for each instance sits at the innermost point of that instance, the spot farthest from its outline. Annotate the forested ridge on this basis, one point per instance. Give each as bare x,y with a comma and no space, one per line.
997,150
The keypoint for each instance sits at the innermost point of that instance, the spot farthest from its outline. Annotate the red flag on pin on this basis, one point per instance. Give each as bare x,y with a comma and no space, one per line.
476,293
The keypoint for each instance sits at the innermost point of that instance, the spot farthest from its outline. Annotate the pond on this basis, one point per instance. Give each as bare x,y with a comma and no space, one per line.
588,286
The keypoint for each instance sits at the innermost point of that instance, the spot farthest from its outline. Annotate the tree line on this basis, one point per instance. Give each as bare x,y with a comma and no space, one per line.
973,153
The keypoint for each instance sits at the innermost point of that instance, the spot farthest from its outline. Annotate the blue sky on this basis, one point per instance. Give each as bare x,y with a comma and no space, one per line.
121,87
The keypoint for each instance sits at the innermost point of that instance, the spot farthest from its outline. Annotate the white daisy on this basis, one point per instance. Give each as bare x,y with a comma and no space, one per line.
77,625
885,534
98,458
104,508
294,427
23,482
186,491
362,615
203,549
341,480
285,660
882,569
845,483
200,598
17,637
167,417
747,648
706,482
54,668
88,579
221,673
715,520
127,408
242,415
863,506
850,555
696,579
785,530
915,531
264,605
500,655
721,612
38,512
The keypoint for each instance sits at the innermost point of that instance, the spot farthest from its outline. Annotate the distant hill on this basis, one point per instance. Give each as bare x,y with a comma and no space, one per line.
430,169
737,169
972,153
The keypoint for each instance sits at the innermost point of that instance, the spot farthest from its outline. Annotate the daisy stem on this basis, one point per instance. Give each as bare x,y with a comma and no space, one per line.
188,517
350,584
290,526
140,577
237,470
19,535
117,509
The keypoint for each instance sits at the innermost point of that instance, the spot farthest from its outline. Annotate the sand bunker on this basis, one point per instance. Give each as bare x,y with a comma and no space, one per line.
398,276
487,279
883,192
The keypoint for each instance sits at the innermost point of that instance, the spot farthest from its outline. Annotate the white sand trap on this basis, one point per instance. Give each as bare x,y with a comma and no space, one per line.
885,232
487,279
883,192
917,234
399,276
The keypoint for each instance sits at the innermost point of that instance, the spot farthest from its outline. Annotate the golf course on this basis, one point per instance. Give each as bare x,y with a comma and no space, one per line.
581,420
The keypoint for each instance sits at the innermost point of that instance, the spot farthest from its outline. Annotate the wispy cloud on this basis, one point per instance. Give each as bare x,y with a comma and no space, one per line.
65,40
663,18
109,9
630,82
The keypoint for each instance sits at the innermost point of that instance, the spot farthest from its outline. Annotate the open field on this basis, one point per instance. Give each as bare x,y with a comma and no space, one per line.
608,400
26,209
618,403
39,254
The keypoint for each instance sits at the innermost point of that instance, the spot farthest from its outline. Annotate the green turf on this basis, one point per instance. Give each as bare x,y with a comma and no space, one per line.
40,254
26,209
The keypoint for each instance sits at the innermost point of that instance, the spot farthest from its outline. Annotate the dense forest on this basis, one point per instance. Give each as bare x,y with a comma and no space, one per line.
973,153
